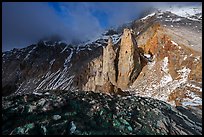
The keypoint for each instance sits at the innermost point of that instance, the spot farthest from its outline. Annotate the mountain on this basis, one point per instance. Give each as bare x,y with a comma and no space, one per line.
158,56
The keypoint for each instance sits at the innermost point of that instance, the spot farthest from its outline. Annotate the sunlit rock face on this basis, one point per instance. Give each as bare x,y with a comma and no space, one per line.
109,70
118,71
129,64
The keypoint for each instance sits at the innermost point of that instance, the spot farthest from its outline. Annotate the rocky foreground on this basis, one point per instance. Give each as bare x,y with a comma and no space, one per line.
89,113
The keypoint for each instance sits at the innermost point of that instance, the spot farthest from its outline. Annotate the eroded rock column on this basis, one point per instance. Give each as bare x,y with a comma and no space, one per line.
109,72
129,64
109,56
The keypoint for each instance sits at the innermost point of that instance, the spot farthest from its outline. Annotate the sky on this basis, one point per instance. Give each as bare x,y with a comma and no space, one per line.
25,23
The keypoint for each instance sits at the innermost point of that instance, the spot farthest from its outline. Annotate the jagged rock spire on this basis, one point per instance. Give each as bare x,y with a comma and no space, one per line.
129,61
109,72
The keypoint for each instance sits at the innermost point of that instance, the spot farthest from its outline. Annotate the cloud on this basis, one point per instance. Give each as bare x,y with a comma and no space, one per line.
82,20
25,23
122,12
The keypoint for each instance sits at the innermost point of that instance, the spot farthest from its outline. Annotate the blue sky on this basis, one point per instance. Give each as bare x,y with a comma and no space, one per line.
24,23
101,16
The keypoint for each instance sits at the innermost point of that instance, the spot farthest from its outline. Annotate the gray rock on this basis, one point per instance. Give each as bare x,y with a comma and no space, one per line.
56,117
41,102
73,127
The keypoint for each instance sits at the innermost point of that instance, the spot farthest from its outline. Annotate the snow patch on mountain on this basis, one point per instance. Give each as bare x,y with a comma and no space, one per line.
148,16
185,11
192,100
68,59
174,43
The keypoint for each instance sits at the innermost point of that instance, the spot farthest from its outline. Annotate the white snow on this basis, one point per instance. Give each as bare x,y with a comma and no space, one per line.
162,89
27,56
194,86
115,38
151,64
47,93
194,100
170,19
35,93
147,55
68,59
174,43
197,57
177,19
48,77
160,13
165,64
59,42
64,49
93,39
184,72
57,80
29,53
77,50
185,57
44,42
150,15
32,50
167,77
52,61
185,11
159,17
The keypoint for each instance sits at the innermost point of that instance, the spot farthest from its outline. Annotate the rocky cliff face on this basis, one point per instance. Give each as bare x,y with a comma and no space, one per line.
129,64
117,72
109,67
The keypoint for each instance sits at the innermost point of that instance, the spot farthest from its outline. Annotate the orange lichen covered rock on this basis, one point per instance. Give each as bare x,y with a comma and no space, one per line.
152,44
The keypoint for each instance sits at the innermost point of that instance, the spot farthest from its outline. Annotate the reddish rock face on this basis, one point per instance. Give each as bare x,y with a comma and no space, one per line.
129,64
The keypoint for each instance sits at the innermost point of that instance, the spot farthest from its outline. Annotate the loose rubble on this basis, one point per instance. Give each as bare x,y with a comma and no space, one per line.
89,113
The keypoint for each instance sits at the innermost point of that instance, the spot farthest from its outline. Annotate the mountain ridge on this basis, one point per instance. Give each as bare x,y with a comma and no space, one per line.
165,63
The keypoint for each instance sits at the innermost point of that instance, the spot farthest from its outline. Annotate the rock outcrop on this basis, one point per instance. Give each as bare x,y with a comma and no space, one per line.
102,71
119,73
119,67
109,56
129,64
